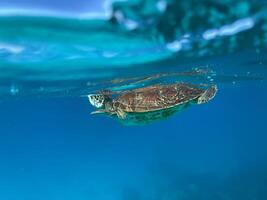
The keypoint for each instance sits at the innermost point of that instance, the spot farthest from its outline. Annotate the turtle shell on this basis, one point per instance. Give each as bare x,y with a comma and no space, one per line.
157,97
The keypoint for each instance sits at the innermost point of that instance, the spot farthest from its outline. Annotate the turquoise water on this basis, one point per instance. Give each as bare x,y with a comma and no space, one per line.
53,54
51,148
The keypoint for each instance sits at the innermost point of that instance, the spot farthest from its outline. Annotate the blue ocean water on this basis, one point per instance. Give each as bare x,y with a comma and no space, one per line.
52,148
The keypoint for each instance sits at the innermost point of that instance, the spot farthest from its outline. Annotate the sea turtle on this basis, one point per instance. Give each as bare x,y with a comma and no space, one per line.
147,104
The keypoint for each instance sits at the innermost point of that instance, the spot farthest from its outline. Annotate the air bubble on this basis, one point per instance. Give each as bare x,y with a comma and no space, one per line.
14,90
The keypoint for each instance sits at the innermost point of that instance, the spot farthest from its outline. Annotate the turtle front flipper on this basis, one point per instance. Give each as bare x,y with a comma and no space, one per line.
208,95
121,114
98,112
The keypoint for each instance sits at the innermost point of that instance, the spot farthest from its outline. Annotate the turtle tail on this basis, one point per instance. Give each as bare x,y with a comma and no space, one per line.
208,95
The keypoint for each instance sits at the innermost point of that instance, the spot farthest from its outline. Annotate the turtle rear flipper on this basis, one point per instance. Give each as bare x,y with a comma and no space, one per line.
207,95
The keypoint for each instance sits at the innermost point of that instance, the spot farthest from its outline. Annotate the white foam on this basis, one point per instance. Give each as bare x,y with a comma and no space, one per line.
15,49
174,46
231,29
178,45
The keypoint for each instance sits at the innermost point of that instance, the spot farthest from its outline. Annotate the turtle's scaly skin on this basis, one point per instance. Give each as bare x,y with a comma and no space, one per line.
157,97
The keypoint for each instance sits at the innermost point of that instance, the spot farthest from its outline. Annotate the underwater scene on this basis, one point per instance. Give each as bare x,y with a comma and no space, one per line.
133,100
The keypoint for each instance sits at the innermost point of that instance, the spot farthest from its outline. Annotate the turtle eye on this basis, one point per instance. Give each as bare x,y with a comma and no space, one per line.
96,100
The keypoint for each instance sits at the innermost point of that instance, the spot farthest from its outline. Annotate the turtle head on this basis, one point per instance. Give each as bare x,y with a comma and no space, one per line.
97,100
102,102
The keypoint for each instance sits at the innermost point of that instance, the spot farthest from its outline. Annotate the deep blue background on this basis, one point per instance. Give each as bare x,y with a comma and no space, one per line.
53,148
